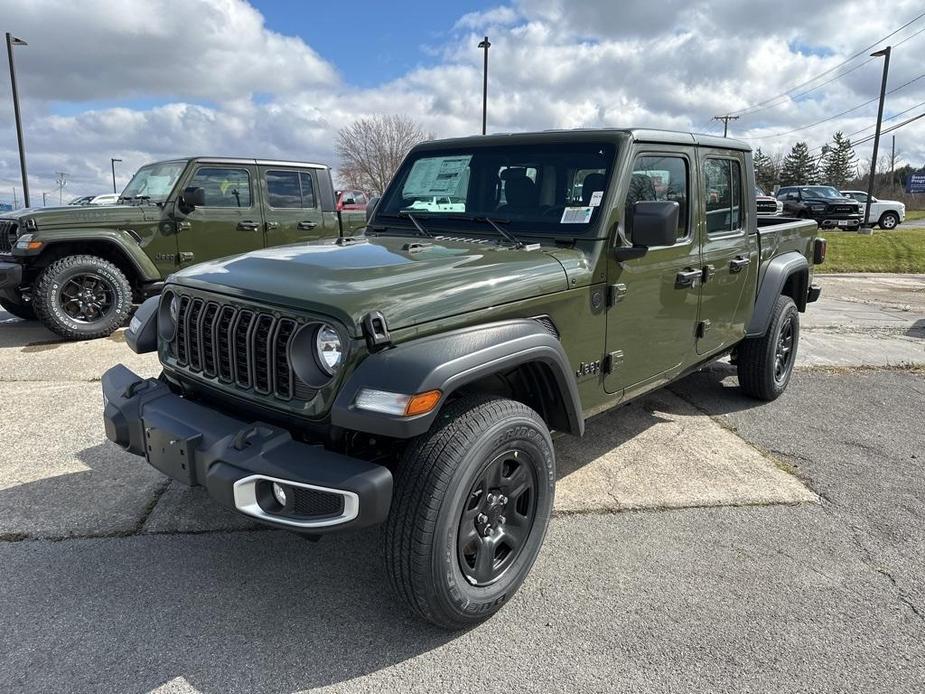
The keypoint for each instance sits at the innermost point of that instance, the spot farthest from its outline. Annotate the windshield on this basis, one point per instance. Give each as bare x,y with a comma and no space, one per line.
555,188
154,181
821,192
760,193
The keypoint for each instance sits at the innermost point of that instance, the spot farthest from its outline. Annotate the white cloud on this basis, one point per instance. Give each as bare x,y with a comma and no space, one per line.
553,64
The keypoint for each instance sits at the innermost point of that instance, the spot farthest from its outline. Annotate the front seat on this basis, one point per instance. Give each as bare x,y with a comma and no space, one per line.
592,184
521,195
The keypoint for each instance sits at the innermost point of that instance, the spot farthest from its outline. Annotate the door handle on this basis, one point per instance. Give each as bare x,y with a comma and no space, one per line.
272,225
183,226
306,226
738,263
688,278
248,226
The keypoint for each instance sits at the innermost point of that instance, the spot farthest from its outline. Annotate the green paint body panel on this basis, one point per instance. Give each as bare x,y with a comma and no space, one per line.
159,239
626,326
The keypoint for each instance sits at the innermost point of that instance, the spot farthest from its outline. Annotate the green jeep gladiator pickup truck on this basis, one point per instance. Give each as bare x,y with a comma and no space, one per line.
80,269
413,377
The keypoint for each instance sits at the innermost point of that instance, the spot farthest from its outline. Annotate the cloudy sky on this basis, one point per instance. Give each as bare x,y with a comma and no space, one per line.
149,79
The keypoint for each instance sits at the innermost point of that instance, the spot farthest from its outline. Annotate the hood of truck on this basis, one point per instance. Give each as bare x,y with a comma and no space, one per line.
83,216
409,280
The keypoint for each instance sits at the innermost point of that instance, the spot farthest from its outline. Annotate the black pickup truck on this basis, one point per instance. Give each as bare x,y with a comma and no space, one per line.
825,204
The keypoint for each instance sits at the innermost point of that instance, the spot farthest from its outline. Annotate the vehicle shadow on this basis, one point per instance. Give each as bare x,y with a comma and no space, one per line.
32,336
917,329
715,390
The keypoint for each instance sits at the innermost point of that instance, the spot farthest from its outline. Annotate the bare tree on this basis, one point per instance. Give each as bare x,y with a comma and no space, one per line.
371,149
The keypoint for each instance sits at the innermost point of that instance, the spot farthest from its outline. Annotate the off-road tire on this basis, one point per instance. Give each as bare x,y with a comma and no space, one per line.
433,490
48,305
757,363
888,220
17,307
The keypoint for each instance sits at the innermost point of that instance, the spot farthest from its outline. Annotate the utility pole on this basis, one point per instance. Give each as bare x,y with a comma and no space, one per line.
61,180
44,196
113,162
10,42
486,45
15,201
726,120
893,167
885,54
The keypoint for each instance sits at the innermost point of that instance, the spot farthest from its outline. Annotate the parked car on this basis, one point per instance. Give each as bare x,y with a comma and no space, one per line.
767,205
438,203
79,269
888,213
823,203
414,377
104,199
354,200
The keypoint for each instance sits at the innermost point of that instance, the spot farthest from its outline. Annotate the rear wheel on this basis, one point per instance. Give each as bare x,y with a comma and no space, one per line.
765,363
473,498
889,220
81,297
13,303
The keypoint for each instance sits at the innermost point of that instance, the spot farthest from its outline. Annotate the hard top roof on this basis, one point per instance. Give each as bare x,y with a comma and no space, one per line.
244,160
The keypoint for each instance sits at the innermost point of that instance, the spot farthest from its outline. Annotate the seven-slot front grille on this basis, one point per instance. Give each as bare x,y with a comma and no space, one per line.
7,235
240,346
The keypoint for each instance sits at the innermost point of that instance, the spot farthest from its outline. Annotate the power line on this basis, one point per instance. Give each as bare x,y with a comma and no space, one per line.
868,127
837,115
754,108
891,129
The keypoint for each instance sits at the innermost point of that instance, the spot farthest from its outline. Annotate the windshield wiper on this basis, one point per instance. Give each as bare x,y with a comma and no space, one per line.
495,225
407,215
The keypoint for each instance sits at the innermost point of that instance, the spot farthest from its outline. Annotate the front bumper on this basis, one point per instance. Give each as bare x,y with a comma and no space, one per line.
843,221
237,461
10,275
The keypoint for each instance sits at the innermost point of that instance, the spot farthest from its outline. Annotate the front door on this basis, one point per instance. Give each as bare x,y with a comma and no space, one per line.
293,212
727,261
231,220
653,316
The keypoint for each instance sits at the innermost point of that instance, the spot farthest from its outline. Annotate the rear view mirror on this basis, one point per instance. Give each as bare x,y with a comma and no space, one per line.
192,198
371,208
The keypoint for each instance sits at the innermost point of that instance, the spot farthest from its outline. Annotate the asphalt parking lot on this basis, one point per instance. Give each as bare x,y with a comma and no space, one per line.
701,542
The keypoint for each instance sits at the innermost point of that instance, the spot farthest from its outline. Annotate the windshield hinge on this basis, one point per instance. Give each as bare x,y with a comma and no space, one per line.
376,331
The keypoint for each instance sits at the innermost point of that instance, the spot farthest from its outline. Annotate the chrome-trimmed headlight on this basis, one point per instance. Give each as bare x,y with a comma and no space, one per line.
329,350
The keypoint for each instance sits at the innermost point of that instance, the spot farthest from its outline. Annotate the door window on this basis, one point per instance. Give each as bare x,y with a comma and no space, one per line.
661,178
290,189
723,195
224,187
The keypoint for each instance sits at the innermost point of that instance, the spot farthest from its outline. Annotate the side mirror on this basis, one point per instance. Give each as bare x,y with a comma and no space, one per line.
192,198
371,208
650,223
790,196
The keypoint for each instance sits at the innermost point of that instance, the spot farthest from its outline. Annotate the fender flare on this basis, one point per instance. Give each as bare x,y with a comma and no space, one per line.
448,361
122,242
775,277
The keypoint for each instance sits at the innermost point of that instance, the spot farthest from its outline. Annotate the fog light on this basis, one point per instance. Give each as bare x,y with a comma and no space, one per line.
279,493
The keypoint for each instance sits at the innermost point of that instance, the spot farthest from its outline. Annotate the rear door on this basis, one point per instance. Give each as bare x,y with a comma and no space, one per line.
230,222
651,323
293,213
727,261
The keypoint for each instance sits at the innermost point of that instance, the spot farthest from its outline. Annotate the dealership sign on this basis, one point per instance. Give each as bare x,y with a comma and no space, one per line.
916,183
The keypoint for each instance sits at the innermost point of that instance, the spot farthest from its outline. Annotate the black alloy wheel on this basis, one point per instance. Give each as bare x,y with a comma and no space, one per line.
784,352
497,517
765,364
87,297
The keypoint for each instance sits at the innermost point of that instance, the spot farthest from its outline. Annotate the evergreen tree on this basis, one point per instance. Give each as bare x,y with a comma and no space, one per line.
766,172
799,167
839,162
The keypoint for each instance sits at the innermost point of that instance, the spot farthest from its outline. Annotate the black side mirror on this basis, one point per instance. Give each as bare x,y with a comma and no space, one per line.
192,198
371,208
650,223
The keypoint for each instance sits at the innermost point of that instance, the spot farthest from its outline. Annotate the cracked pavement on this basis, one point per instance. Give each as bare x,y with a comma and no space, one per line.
702,542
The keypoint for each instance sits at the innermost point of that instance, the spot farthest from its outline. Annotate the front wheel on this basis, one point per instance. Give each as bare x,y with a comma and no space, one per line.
889,220
472,502
765,363
81,297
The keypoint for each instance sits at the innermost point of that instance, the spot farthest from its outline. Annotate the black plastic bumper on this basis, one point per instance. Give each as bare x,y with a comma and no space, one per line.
200,446
10,275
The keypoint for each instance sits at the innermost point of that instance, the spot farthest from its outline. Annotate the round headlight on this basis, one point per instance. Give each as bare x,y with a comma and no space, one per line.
168,311
328,349
175,308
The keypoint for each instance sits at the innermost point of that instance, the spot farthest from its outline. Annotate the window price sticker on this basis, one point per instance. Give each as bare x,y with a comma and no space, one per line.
576,215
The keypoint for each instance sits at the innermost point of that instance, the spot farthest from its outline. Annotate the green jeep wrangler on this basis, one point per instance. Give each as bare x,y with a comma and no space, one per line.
80,269
415,377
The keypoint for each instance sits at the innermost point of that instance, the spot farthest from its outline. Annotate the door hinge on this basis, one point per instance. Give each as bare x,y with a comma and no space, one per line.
708,272
186,256
613,361
615,294
703,328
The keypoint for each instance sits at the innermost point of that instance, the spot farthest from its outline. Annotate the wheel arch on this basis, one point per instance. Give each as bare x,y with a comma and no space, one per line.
519,359
788,275
138,272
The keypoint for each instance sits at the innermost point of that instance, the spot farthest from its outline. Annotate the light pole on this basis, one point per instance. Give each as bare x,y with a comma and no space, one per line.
885,54
113,162
486,45
10,42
